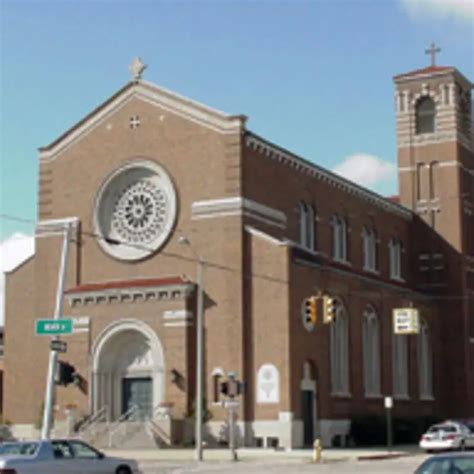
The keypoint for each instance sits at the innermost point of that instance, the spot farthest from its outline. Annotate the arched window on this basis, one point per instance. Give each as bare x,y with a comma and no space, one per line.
400,365
339,239
371,350
425,111
306,221
369,240
395,257
425,370
339,352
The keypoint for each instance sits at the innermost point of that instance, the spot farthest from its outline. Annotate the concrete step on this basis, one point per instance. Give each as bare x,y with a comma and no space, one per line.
129,435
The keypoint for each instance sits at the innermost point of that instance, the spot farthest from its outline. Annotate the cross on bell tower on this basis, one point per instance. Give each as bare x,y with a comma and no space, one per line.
432,50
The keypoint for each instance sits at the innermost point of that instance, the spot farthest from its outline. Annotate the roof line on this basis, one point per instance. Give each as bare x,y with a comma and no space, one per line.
335,177
87,117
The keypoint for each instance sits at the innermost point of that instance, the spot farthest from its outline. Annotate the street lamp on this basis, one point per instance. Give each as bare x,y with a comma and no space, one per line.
182,240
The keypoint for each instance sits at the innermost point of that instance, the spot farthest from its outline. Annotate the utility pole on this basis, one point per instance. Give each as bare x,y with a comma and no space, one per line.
199,361
53,355
199,347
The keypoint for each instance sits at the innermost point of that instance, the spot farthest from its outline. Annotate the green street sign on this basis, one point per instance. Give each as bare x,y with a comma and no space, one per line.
53,327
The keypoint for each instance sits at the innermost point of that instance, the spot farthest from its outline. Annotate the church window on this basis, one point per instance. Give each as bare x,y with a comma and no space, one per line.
135,210
425,115
306,222
395,255
425,376
369,240
339,344
400,365
434,167
339,239
465,113
420,181
371,351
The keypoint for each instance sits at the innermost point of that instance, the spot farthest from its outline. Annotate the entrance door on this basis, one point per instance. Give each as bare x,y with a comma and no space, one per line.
308,416
139,392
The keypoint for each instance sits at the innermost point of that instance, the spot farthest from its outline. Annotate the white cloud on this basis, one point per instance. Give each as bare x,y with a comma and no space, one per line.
366,170
13,251
461,9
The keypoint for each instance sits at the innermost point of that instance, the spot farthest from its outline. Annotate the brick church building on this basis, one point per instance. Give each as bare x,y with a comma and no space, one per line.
149,170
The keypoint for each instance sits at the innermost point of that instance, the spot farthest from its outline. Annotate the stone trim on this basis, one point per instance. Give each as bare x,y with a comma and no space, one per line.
264,236
431,139
130,295
287,158
50,227
441,164
177,318
238,206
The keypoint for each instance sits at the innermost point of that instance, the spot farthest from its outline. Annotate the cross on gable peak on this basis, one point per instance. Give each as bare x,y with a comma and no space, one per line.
136,68
432,50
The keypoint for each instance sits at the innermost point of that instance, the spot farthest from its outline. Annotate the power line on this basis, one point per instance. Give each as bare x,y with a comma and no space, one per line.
401,291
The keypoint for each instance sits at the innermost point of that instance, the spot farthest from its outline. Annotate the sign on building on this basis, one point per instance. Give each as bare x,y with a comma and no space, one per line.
268,384
406,321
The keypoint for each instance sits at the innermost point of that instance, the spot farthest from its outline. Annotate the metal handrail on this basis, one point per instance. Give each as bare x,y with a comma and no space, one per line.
118,422
98,417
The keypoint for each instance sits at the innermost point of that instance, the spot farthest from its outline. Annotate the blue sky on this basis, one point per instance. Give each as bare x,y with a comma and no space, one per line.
313,76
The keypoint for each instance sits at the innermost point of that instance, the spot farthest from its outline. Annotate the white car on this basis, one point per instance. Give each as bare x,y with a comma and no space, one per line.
60,456
447,435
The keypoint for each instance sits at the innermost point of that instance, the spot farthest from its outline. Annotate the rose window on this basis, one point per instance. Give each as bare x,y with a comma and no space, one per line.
136,210
140,212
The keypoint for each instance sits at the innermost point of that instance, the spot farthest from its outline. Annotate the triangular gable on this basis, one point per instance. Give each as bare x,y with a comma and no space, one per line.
150,93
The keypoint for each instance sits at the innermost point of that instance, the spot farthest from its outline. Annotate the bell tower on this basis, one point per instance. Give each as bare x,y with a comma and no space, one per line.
436,180
435,150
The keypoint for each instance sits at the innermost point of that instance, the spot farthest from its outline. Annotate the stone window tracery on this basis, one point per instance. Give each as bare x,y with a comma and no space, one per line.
135,210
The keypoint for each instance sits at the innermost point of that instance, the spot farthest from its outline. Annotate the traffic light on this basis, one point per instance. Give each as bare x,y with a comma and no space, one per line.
329,308
65,373
225,388
232,388
311,310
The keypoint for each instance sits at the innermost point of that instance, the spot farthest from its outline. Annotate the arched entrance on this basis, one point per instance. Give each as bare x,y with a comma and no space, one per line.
128,369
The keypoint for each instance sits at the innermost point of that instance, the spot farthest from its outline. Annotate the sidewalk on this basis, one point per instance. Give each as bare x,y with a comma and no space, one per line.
259,454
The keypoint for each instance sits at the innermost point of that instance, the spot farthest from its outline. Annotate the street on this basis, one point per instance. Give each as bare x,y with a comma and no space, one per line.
399,465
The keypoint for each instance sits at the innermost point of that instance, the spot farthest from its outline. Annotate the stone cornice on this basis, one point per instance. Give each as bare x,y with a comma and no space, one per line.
130,295
300,164
238,206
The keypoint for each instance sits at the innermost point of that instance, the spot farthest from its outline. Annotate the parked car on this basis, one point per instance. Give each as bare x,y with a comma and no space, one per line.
60,456
447,435
449,463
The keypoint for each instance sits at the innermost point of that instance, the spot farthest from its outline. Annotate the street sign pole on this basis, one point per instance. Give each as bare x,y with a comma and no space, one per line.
53,355
231,409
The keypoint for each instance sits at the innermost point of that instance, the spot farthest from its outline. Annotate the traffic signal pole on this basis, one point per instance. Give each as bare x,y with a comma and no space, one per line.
53,356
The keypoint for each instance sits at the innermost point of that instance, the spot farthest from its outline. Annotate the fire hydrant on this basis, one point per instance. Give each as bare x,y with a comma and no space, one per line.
317,450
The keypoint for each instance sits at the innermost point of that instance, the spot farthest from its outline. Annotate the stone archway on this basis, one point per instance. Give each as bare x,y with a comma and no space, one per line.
128,368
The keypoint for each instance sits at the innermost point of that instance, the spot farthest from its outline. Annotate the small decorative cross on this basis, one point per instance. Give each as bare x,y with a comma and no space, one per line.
136,68
432,50
134,122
